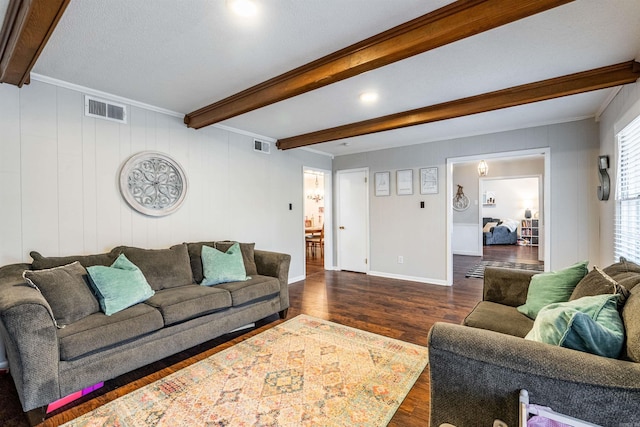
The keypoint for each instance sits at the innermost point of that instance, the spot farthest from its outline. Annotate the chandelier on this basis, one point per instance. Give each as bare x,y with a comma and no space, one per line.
316,194
483,168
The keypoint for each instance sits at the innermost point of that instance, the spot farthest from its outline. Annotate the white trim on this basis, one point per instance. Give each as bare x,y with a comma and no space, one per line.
612,94
425,140
133,103
314,151
295,279
366,219
244,132
626,118
409,278
328,216
100,94
546,152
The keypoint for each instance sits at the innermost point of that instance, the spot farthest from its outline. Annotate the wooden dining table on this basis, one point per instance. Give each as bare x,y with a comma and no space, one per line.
312,230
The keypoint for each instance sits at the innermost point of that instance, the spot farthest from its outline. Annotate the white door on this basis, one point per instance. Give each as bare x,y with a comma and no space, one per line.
353,220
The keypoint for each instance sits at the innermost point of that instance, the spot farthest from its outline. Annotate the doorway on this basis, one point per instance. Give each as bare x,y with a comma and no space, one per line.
317,220
467,238
513,198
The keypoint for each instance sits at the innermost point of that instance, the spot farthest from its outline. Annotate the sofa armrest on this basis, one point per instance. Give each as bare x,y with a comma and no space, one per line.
275,264
506,285
476,376
29,333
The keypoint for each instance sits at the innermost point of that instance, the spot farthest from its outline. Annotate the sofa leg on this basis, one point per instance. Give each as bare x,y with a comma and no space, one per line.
36,416
283,313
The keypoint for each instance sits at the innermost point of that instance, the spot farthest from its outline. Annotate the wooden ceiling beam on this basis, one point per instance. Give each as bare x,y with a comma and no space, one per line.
456,21
572,84
27,26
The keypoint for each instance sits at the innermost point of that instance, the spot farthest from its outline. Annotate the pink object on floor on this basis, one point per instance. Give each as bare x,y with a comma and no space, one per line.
73,396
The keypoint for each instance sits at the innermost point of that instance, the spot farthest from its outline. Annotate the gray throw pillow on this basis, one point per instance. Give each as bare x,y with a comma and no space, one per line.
195,258
67,291
163,268
597,282
41,262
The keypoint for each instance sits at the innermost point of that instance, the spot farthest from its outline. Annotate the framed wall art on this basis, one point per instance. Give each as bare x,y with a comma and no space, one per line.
382,183
429,180
404,182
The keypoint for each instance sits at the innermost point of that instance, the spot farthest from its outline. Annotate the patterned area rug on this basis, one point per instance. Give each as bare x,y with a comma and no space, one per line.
303,372
478,269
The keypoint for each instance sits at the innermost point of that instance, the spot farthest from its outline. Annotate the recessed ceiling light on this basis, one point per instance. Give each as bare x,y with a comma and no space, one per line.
369,97
244,8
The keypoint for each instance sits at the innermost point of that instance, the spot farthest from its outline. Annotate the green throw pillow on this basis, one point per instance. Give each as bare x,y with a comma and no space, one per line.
119,286
550,287
222,267
590,324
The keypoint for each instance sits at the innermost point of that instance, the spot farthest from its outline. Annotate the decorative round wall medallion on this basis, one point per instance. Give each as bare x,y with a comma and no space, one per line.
460,201
153,183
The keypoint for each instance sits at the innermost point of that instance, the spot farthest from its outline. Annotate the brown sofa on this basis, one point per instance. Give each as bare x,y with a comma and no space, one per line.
478,369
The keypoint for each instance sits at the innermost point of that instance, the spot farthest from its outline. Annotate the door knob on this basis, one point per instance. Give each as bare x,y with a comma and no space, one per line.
341,227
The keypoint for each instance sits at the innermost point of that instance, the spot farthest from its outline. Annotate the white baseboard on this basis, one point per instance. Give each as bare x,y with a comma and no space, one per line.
468,253
409,278
295,279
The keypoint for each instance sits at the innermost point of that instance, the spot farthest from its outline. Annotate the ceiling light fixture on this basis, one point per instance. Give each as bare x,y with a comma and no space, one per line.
369,97
483,168
244,8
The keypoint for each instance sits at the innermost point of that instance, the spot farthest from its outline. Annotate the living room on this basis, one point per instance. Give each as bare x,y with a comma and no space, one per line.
60,168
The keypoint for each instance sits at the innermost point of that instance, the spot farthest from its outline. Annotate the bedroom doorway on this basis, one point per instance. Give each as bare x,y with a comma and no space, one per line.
510,213
466,236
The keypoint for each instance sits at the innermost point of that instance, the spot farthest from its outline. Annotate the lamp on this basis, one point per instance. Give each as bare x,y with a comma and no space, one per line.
483,168
527,208
317,194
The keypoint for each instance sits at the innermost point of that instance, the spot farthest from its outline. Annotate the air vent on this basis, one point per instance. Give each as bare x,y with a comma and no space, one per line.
261,146
99,108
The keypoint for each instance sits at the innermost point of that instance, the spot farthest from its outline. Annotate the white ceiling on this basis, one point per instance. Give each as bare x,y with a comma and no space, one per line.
181,55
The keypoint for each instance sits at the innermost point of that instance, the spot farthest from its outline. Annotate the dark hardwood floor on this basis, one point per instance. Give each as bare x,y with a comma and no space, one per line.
394,308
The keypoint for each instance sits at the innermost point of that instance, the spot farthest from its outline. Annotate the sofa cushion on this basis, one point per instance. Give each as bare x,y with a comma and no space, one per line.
40,262
195,256
597,282
553,286
499,318
257,287
222,267
163,268
67,291
631,319
119,286
187,302
98,331
591,324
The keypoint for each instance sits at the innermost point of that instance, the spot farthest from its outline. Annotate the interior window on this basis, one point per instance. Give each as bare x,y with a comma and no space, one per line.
627,219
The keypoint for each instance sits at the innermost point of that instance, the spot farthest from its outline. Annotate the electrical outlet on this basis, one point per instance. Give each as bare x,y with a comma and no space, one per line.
400,259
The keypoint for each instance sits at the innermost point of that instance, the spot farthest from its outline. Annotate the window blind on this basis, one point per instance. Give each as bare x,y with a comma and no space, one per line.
627,218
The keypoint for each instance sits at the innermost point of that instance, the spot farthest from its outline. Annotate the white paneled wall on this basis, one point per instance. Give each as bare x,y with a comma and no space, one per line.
59,174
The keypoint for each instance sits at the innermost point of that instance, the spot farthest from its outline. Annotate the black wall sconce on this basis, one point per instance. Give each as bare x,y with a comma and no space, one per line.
603,188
